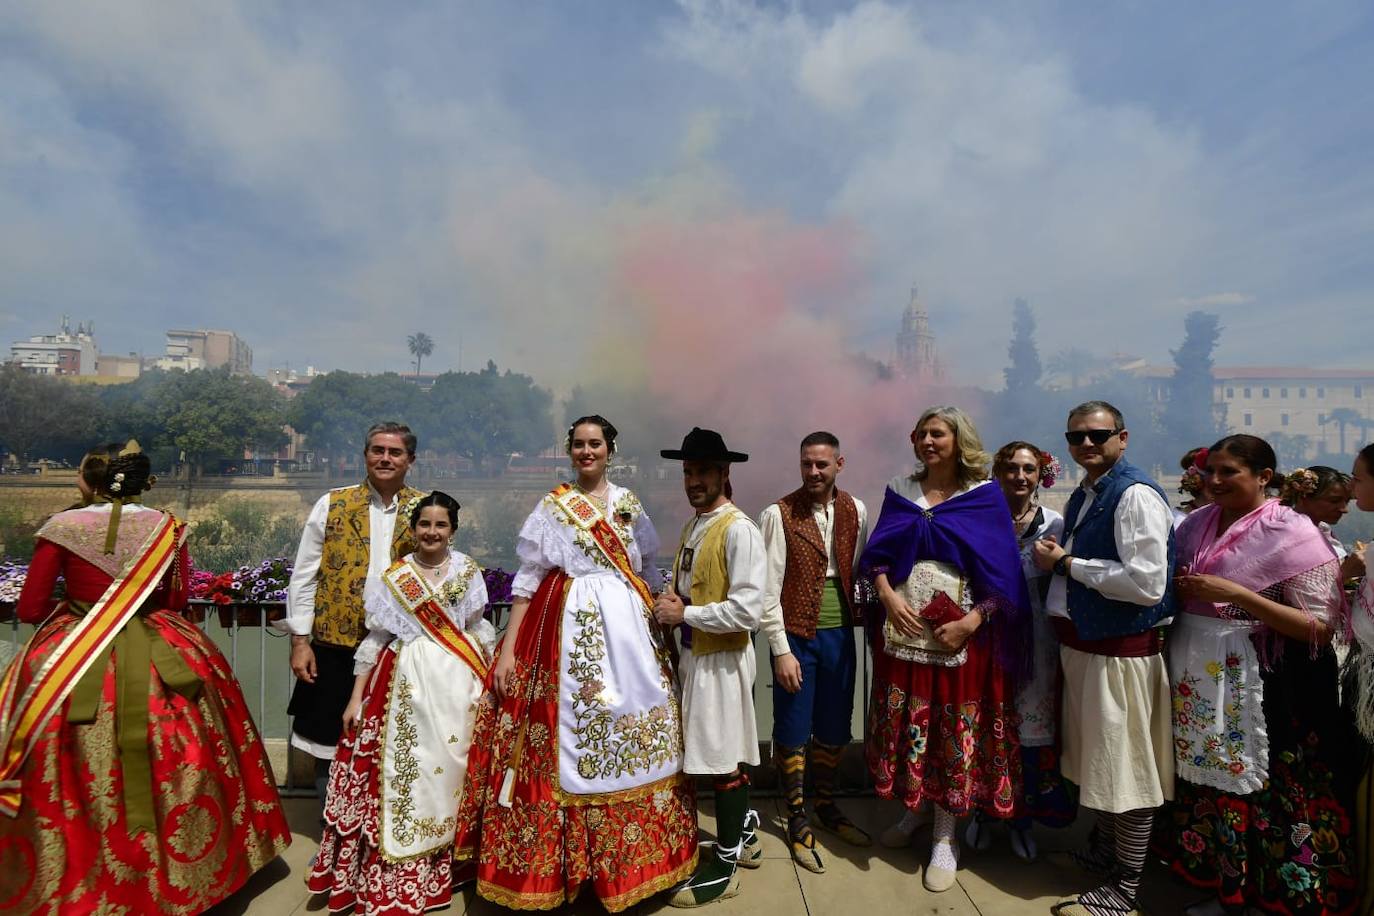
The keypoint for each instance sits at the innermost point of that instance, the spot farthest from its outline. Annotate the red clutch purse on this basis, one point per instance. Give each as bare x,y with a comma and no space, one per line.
941,610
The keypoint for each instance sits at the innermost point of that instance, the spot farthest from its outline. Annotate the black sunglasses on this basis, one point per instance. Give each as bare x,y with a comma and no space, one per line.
1098,436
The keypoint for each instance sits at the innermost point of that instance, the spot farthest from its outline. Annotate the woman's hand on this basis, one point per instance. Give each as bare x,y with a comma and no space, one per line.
353,714
954,634
1352,567
1215,589
904,618
503,674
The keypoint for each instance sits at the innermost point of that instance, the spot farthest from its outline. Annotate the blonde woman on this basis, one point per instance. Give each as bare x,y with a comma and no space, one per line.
945,562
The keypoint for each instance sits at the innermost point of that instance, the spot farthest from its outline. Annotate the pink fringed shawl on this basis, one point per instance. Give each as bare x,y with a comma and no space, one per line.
1272,544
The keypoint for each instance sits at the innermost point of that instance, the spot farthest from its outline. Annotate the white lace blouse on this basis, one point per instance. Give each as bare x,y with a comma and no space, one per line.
388,620
546,542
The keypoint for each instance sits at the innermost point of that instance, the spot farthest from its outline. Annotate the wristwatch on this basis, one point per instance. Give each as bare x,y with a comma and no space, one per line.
1061,565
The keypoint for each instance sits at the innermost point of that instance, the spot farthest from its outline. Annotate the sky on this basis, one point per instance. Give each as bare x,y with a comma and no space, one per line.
603,190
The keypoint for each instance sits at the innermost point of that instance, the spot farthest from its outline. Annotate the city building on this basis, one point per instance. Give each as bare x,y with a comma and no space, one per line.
119,367
204,349
1333,409
1300,410
917,359
290,382
67,352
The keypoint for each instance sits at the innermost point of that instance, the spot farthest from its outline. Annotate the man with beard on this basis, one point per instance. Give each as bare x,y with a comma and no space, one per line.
351,532
717,592
813,538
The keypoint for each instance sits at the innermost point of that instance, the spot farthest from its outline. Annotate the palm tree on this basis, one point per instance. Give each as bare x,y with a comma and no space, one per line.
1291,448
421,345
1076,363
1342,417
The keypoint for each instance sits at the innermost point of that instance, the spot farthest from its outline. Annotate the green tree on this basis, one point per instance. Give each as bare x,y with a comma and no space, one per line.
1018,410
139,410
335,411
1024,371
489,414
213,414
1291,448
421,345
45,417
1191,415
1076,363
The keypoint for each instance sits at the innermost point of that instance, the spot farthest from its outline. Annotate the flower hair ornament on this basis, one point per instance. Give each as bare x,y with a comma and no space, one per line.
1192,480
1299,483
1050,470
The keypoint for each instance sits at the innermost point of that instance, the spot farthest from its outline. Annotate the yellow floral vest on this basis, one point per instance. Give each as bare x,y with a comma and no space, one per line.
344,562
711,581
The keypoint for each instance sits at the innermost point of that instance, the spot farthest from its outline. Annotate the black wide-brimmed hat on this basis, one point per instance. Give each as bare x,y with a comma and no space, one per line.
703,445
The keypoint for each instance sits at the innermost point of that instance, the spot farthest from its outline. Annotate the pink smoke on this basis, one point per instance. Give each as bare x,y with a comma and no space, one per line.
746,323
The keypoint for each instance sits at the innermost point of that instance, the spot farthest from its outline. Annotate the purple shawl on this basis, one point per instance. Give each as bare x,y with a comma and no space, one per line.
973,533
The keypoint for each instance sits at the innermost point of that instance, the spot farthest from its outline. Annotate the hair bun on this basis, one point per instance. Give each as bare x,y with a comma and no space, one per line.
127,475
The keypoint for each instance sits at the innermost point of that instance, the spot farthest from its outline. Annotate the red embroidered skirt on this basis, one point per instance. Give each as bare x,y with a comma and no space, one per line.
947,735
215,803
350,866
537,853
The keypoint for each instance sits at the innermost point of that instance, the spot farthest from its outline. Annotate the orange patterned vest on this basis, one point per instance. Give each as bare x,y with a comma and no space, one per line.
344,562
803,578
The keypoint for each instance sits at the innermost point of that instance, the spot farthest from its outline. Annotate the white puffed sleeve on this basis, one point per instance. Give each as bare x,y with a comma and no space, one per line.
377,601
538,548
646,539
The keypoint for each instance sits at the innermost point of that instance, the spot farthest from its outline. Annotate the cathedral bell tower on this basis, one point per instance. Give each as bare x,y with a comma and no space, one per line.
917,358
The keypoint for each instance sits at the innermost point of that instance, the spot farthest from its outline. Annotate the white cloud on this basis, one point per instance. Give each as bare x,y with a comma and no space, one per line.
976,166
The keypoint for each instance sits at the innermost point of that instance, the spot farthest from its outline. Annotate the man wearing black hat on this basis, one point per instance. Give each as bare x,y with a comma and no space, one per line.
718,580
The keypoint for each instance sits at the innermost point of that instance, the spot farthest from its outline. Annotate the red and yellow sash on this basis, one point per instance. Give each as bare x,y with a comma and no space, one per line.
411,589
581,512
22,718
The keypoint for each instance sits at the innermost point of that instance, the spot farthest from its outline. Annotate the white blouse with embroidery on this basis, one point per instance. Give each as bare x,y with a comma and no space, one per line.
547,543
388,620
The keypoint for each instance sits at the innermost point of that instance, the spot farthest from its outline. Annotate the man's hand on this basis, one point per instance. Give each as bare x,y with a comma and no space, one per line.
787,672
668,608
303,659
1046,553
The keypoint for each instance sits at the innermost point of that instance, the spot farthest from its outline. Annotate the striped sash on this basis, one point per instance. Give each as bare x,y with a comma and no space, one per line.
22,718
415,595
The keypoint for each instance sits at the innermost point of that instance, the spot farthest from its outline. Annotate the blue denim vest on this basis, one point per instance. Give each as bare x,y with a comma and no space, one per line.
1094,615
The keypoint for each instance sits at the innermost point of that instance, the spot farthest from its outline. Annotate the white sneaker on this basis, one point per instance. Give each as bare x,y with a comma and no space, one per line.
900,833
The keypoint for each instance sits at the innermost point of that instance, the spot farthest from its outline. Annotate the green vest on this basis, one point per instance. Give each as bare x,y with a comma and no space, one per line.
711,580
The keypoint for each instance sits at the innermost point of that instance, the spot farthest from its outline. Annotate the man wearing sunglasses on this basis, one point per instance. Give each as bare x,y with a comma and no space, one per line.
1109,594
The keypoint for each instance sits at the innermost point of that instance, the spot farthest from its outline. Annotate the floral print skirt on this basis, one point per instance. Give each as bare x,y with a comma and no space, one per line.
947,735
1288,847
